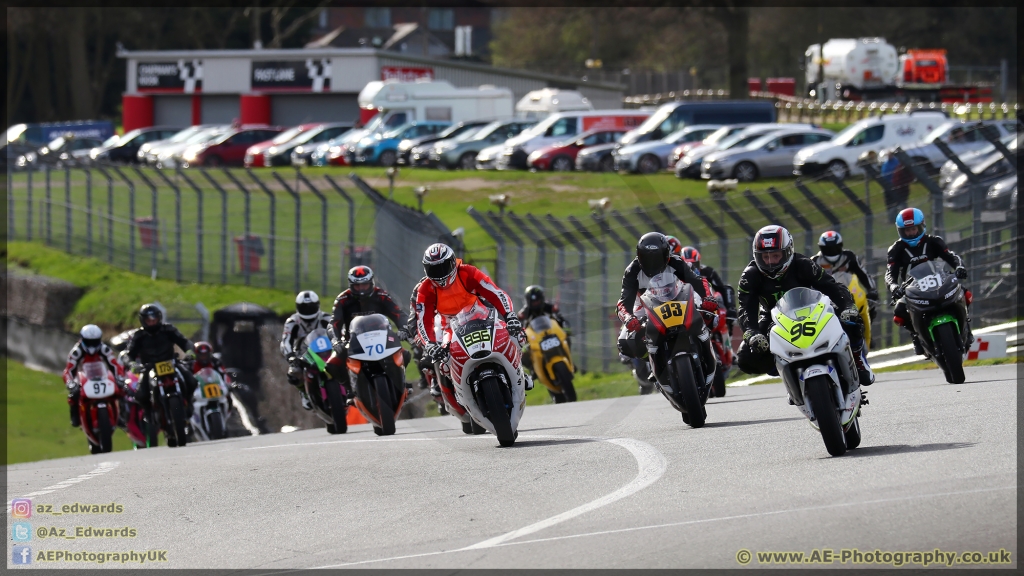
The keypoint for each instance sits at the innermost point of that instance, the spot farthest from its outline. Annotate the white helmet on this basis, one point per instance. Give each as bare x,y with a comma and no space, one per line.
307,304
92,338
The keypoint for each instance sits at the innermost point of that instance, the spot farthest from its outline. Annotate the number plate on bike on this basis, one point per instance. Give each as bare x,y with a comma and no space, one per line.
671,313
212,391
165,368
549,343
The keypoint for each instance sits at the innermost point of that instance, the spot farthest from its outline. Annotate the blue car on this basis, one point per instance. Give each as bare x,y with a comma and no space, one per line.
382,148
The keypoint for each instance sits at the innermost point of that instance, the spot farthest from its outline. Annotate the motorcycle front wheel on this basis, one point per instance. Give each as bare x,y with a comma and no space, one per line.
853,434
152,429
687,387
494,403
564,379
339,409
178,420
818,391
946,343
105,431
718,386
215,427
385,411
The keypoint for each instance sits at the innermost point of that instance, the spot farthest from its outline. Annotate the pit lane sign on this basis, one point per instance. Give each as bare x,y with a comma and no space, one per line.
183,76
309,75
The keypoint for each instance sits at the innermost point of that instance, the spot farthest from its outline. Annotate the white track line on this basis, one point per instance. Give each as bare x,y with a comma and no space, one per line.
101,469
244,415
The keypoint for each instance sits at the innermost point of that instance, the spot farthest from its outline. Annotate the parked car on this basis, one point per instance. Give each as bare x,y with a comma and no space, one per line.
254,154
961,137
679,151
297,151
338,151
652,155
281,154
950,170
562,126
487,158
227,149
839,155
990,170
689,166
302,155
126,148
561,156
145,152
382,148
597,158
464,151
674,116
57,153
416,151
1001,194
770,156
169,155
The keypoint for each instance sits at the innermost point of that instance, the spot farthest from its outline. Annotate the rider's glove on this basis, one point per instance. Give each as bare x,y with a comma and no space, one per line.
190,356
758,343
403,335
514,326
873,295
633,324
897,291
961,272
850,316
436,352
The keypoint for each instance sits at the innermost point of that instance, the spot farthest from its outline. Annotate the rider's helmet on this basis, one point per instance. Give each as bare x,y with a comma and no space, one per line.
910,225
534,298
92,338
307,305
204,352
439,264
773,250
360,281
830,244
691,256
674,244
653,252
151,317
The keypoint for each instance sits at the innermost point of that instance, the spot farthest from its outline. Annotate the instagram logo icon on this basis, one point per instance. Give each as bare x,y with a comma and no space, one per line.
21,508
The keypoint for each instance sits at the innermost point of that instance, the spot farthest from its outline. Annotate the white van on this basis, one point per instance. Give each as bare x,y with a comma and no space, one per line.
839,155
539,104
562,126
436,100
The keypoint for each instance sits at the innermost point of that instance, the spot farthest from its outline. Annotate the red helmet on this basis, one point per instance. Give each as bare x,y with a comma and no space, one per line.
674,245
204,352
691,256
360,281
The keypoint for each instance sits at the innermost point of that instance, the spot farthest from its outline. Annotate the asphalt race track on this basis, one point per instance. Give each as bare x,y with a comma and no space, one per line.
604,484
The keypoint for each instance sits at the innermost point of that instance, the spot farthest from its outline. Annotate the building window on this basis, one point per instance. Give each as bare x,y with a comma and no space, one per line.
441,19
378,17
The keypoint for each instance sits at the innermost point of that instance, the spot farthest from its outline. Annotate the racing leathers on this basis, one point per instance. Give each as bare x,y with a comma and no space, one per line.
158,346
902,257
635,282
758,294
295,331
546,309
346,307
79,356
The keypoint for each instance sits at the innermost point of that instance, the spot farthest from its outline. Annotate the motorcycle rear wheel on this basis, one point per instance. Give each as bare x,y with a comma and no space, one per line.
564,378
385,410
946,342
687,387
339,409
105,431
496,412
178,421
818,392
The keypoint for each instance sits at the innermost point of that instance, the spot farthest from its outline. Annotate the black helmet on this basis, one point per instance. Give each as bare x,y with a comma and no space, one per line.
150,317
360,281
772,240
830,244
653,251
533,297
307,304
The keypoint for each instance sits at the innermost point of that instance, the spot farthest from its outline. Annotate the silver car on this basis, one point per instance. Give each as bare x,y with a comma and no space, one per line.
961,137
689,165
652,156
950,171
770,156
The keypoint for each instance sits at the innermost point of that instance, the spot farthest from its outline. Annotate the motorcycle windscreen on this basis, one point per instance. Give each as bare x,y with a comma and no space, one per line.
317,344
97,386
541,323
928,275
798,302
664,287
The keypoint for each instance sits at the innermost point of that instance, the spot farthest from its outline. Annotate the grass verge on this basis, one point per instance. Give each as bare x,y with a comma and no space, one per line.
36,418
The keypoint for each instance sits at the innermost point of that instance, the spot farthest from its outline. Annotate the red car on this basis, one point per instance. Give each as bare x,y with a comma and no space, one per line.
561,157
254,155
229,149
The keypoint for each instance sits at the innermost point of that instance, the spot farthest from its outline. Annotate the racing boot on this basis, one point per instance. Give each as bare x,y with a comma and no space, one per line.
529,380
918,349
867,377
307,404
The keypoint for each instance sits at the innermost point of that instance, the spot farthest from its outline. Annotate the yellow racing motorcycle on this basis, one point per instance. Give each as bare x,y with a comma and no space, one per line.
552,362
860,299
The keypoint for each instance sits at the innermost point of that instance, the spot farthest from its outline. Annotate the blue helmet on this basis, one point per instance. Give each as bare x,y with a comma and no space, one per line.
911,217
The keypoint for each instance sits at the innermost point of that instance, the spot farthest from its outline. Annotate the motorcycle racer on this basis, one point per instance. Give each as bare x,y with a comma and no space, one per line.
89,348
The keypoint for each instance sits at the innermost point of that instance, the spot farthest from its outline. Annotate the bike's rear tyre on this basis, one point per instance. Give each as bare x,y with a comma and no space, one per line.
496,411
945,341
818,391
718,386
687,387
556,397
385,410
564,379
339,409
853,434
215,426
178,420
105,431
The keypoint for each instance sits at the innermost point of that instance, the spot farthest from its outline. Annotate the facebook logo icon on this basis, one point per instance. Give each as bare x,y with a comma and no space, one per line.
21,555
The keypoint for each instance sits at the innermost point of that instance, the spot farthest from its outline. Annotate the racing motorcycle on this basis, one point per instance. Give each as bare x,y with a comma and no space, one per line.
860,300
721,341
813,356
486,370
134,417
446,402
937,304
674,331
552,361
210,405
98,405
326,394
167,404
376,365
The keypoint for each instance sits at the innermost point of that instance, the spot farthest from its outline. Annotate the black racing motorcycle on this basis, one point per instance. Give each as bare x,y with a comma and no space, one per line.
937,304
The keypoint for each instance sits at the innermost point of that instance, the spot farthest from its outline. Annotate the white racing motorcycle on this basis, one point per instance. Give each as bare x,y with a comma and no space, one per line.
210,406
813,357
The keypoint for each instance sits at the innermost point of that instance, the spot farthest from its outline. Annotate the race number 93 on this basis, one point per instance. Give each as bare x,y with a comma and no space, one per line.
802,329
670,309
